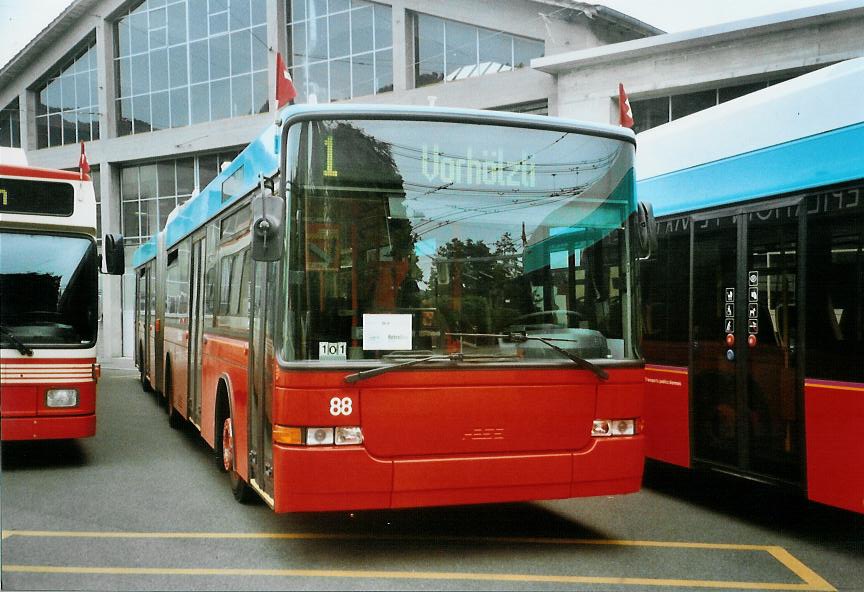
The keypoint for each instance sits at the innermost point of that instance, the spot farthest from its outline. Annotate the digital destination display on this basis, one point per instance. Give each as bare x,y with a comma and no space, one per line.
44,198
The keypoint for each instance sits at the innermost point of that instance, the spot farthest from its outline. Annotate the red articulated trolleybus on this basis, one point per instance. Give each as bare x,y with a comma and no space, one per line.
48,302
380,307
754,306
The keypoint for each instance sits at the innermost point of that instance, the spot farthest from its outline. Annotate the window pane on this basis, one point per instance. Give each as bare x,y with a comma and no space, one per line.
220,99
733,92
67,89
176,23
340,79
84,117
260,92
82,90
340,37
159,70
361,29
185,175
430,50
180,107
141,111
525,50
219,64
124,120
461,48
138,29
683,105
298,43
259,11
239,14
241,57
318,82
241,95
316,39
298,10
197,19
123,40
165,174
363,75
199,98
131,226
259,48
124,73
383,26
384,70
648,113
147,181
496,47
218,23
199,62
160,114
140,74
178,68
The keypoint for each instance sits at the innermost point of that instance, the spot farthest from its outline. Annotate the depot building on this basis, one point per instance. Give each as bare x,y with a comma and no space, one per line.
163,92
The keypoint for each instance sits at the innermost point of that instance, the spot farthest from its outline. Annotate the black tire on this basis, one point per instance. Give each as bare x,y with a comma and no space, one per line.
241,490
222,411
145,384
175,420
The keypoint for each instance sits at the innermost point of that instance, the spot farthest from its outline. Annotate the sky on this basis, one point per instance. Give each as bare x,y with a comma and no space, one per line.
22,20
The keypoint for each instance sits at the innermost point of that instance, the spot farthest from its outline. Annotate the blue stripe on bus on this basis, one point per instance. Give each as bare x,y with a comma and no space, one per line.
823,159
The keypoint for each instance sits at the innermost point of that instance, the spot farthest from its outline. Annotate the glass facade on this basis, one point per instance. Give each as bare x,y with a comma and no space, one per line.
10,126
447,50
67,105
340,49
149,192
181,62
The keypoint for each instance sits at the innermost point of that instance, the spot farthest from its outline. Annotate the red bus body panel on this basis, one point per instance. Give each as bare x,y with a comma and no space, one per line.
23,387
443,437
667,414
834,412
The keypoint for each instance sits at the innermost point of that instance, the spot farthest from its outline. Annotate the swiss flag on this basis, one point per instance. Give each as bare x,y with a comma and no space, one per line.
285,91
625,112
83,165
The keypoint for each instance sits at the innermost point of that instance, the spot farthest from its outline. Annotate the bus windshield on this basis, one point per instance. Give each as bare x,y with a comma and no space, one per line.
411,238
49,289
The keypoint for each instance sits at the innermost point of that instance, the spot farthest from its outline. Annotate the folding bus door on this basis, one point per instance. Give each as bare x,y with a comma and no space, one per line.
746,388
196,328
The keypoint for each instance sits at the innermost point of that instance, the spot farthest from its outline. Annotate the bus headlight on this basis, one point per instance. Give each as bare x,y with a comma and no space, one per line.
61,398
613,427
348,436
318,436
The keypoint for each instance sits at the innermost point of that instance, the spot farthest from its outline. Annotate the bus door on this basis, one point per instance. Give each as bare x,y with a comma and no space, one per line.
261,357
746,388
196,328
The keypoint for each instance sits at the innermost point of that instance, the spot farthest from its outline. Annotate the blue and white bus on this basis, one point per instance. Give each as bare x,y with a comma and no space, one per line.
754,305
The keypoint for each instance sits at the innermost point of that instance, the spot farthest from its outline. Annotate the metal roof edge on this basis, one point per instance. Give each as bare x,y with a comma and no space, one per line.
620,51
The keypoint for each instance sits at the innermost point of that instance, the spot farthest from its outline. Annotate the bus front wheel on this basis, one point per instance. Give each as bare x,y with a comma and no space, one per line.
242,492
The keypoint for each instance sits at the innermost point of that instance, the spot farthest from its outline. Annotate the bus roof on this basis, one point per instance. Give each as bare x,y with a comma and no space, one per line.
788,137
261,156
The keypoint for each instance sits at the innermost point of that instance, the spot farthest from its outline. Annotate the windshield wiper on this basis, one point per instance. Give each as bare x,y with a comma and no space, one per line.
517,337
352,378
19,345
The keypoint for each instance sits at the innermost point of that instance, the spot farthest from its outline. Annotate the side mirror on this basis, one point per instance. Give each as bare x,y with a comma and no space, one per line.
114,254
646,230
268,228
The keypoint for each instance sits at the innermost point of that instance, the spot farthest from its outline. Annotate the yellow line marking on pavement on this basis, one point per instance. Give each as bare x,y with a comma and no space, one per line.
408,575
810,580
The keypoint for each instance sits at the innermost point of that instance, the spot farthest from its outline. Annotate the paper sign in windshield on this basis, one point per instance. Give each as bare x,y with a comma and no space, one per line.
386,331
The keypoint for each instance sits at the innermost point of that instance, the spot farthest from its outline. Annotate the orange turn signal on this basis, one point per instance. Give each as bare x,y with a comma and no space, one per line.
287,435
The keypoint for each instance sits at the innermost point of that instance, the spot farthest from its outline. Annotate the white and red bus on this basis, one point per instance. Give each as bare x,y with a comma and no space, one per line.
754,305
48,303
381,307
